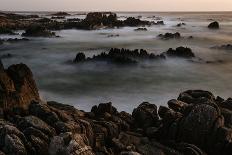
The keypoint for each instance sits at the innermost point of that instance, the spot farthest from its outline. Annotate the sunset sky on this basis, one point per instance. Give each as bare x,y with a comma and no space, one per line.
116,5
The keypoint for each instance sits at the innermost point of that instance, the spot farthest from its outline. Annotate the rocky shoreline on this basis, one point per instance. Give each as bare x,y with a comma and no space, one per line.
196,123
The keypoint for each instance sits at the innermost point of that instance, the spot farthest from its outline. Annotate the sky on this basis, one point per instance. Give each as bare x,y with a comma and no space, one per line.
116,5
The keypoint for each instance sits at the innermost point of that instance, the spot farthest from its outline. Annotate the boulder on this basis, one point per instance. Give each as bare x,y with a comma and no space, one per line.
145,115
213,25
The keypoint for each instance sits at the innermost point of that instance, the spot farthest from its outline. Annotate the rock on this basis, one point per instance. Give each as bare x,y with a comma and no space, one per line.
159,22
213,25
141,29
180,24
223,47
146,115
61,14
35,122
121,56
43,112
182,52
168,36
131,21
68,143
18,87
38,31
80,57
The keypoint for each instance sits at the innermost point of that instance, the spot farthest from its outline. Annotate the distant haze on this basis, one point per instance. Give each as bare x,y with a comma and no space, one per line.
116,5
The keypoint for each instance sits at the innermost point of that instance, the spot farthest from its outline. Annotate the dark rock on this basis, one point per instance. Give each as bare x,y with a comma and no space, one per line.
168,36
121,56
180,24
38,31
183,52
131,21
159,22
80,57
61,14
213,25
146,115
141,29
4,30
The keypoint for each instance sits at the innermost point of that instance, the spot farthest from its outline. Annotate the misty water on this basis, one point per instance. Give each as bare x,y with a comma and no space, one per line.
85,85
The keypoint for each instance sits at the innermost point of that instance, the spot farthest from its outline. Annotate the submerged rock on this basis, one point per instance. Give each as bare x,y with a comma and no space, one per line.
213,25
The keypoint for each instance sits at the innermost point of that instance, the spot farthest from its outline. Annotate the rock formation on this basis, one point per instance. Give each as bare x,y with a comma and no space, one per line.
196,123
120,56
168,36
183,52
213,25
38,31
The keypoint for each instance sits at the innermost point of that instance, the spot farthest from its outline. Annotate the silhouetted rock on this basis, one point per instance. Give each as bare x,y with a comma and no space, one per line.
131,21
38,31
213,25
180,52
79,57
141,29
4,30
168,36
61,14
120,56
159,22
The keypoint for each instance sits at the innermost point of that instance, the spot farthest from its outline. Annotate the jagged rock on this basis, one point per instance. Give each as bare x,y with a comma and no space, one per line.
18,87
168,36
213,25
67,144
183,52
38,31
120,56
141,29
35,122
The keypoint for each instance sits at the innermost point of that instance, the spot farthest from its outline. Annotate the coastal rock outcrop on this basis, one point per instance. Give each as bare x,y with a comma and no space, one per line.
196,123
38,31
168,36
18,87
214,25
183,52
119,56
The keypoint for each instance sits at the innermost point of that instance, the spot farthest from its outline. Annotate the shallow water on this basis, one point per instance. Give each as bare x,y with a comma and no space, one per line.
127,86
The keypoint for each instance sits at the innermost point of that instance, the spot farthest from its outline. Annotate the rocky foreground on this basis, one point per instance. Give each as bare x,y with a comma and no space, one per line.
196,123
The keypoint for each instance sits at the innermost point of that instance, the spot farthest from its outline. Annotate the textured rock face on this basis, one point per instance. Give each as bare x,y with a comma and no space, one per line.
196,123
18,87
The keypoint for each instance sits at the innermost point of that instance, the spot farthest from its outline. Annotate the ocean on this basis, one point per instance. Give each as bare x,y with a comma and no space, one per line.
85,85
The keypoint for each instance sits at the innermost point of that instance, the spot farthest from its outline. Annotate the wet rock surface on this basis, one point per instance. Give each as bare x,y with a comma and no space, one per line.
196,123
38,31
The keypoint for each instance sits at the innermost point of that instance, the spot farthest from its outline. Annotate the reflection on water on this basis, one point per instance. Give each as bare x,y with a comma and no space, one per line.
88,84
